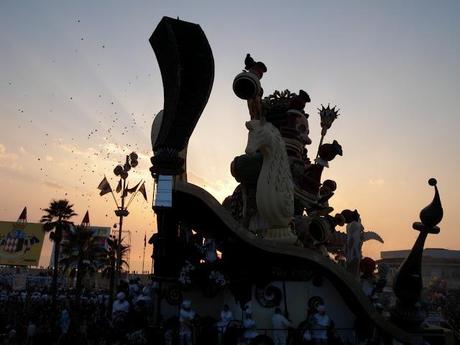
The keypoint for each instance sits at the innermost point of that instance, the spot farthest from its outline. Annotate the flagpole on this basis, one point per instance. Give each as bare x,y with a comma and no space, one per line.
111,191
121,211
131,199
143,254
134,195
114,199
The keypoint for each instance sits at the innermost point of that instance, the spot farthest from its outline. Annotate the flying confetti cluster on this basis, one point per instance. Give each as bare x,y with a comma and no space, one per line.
74,138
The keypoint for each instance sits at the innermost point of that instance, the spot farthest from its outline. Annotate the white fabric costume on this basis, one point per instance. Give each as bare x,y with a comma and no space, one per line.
120,305
186,315
280,326
320,324
225,318
249,326
210,250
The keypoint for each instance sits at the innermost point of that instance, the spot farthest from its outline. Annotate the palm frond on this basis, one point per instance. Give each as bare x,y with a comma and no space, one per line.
58,209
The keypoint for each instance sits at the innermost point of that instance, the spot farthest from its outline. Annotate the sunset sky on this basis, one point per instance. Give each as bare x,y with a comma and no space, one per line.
80,86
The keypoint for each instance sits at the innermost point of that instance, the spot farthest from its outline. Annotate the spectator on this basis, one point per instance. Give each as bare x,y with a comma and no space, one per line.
31,332
225,317
120,306
249,326
320,325
280,327
64,325
186,316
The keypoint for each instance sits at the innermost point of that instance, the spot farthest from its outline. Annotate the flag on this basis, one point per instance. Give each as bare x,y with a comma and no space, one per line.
104,187
85,220
118,190
143,191
132,190
23,215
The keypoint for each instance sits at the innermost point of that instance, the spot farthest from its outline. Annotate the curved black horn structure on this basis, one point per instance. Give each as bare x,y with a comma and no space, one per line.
187,69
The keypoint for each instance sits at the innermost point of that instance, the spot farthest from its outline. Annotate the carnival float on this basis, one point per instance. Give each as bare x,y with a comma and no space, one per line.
276,242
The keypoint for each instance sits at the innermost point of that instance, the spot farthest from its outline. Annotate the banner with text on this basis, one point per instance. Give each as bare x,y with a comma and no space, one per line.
20,243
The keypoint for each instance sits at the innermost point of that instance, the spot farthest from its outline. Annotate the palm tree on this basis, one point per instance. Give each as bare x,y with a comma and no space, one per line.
81,254
57,217
111,262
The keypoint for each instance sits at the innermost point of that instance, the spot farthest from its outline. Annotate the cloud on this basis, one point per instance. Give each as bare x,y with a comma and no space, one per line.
71,149
6,156
377,182
53,185
9,160
122,151
219,188
102,150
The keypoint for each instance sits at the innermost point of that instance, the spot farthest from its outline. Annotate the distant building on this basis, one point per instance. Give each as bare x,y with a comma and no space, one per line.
437,262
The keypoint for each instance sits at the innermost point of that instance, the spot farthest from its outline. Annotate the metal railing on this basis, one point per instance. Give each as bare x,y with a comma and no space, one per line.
341,335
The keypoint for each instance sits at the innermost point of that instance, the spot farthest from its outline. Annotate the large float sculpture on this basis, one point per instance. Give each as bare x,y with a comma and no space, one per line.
274,242
281,195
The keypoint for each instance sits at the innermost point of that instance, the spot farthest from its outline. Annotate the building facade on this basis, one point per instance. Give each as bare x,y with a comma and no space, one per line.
437,263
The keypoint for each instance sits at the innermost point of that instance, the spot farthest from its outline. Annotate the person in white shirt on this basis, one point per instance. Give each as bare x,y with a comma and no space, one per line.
186,316
249,326
280,327
120,306
225,317
145,297
321,323
31,331
209,247
64,325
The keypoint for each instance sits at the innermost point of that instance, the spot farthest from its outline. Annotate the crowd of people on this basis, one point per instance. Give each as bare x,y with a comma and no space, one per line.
30,317
316,329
